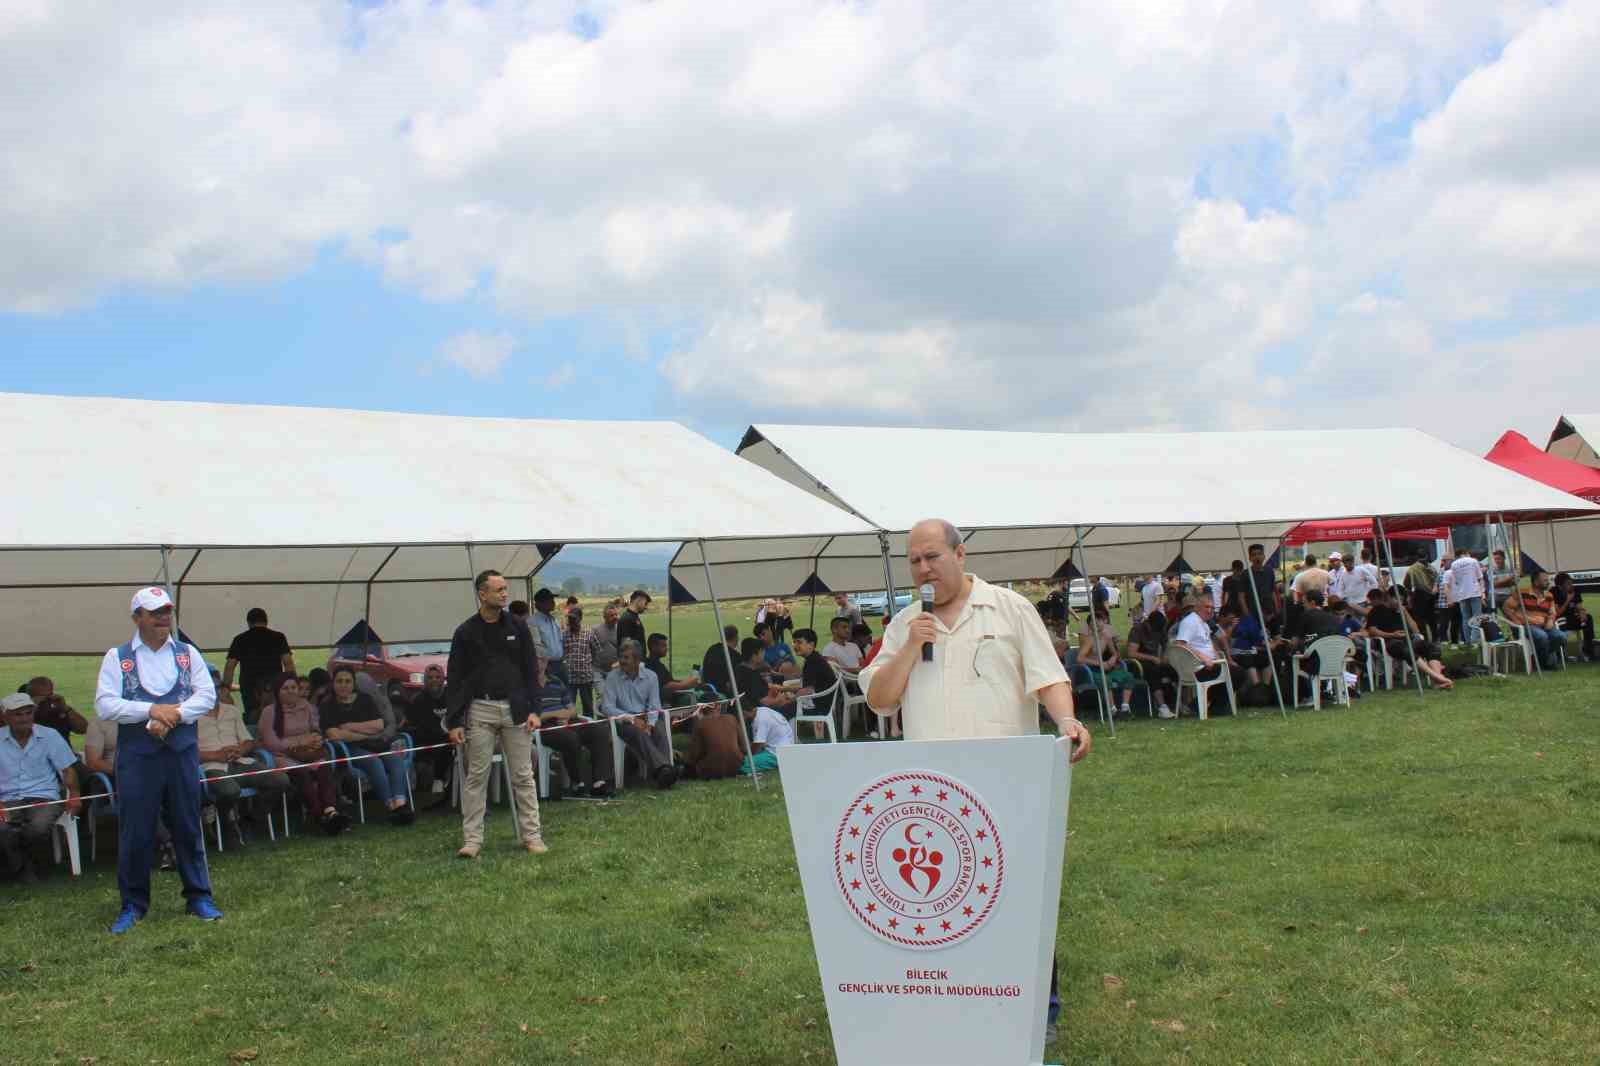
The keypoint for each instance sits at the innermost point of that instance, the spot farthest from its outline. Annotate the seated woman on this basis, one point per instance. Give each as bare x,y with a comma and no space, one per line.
291,730
1097,650
1147,646
353,718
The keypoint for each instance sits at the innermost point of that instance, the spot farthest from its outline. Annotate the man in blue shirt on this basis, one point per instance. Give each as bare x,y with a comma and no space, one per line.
550,635
35,765
779,656
631,697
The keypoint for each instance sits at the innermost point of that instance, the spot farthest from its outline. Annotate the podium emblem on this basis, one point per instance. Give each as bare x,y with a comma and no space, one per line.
918,859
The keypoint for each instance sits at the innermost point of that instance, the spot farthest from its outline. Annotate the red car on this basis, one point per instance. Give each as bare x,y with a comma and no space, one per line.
397,667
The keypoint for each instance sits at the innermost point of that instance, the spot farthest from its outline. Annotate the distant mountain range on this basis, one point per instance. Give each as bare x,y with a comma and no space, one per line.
636,566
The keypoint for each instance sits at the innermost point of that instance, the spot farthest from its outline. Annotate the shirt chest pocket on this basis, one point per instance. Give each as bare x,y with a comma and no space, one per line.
994,679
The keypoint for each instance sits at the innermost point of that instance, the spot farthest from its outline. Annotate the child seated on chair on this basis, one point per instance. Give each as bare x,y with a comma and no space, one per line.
816,674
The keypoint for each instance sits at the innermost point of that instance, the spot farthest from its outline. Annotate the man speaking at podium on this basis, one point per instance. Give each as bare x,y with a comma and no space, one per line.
992,662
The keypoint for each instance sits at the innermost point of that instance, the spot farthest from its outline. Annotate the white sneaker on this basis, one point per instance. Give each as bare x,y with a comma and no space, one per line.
1125,710
1165,712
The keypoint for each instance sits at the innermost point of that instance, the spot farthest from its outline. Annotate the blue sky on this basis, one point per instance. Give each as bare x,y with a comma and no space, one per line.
1164,217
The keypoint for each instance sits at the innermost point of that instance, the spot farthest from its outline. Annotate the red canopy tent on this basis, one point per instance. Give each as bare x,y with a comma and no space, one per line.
1516,453
1356,529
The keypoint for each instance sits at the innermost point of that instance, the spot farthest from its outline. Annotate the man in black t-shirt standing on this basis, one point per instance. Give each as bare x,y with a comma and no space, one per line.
492,695
259,654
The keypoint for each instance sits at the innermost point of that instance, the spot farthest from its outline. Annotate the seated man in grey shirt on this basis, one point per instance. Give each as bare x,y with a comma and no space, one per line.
632,696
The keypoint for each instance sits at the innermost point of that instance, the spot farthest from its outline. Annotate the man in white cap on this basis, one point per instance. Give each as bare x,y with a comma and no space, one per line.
1336,579
155,687
36,765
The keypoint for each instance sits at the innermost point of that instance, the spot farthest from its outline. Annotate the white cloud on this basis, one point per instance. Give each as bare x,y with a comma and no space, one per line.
912,210
481,355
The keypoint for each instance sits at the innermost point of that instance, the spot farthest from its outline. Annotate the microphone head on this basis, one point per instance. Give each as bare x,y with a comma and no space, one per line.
927,595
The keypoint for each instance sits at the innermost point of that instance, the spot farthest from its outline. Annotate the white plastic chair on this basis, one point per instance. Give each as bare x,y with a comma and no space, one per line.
853,701
1331,652
620,751
1491,649
810,703
1188,665
67,826
458,780
1377,650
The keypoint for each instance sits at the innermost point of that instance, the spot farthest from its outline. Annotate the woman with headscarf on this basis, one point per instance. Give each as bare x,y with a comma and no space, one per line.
292,731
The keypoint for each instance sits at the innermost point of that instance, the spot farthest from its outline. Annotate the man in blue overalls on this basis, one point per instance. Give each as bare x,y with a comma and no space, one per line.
155,687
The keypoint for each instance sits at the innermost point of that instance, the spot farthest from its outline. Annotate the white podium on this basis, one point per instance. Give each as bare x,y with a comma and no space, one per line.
932,877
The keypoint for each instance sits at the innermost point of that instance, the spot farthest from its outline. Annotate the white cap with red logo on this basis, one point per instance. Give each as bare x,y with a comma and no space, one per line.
151,599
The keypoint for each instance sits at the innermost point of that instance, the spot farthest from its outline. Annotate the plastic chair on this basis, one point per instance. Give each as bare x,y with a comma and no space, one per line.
1331,653
245,792
99,808
458,780
853,701
67,826
1188,665
809,703
1491,649
269,763
1378,654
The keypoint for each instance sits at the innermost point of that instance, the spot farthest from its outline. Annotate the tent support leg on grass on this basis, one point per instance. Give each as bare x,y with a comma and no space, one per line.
1405,618
1094,628
733,680
1255,594
366,611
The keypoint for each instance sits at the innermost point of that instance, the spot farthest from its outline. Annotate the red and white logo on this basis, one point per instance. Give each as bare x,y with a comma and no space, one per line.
918,859
127,666
183,662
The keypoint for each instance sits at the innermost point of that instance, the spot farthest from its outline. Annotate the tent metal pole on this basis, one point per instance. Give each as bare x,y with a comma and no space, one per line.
733,679
1094,629
366,612
177,600
888,578
1405,618
1261,614
472,577
1555,553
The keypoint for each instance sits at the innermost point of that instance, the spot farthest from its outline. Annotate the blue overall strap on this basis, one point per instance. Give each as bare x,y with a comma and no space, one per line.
133,686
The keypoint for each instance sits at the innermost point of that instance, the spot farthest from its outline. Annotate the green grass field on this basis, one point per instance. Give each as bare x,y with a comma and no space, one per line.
1407,880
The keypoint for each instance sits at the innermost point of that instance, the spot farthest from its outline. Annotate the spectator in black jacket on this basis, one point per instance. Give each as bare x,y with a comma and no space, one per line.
491,695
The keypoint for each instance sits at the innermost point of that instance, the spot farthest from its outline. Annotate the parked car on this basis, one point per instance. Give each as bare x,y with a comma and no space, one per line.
873,602
1078,594
397,667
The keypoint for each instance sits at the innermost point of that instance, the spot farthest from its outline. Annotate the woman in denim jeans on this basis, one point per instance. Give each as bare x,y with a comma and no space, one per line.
354,718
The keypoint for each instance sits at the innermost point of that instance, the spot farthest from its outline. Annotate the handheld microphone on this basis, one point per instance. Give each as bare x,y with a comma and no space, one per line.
927,606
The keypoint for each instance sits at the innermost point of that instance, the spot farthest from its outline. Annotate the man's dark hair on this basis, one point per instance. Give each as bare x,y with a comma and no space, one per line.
730,633
483,579
1315,596
544,594
36,682
653,637
1366,555
1311,560
761,627
318,677
750,646
1238,564
806,634
860,629
1256,548
839,620
255,616
636,593
518,608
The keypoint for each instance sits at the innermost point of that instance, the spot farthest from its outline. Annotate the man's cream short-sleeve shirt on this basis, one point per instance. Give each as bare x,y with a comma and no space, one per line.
986,672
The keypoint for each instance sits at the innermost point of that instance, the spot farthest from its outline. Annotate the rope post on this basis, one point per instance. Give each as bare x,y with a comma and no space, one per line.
1261,615
1094,629
1405,617
733,680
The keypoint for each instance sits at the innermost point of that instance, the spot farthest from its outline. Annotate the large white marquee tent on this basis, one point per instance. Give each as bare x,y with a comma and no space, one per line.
327,516
1137,501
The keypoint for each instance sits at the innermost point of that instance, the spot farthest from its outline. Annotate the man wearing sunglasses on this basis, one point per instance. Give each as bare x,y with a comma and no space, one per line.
155,687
